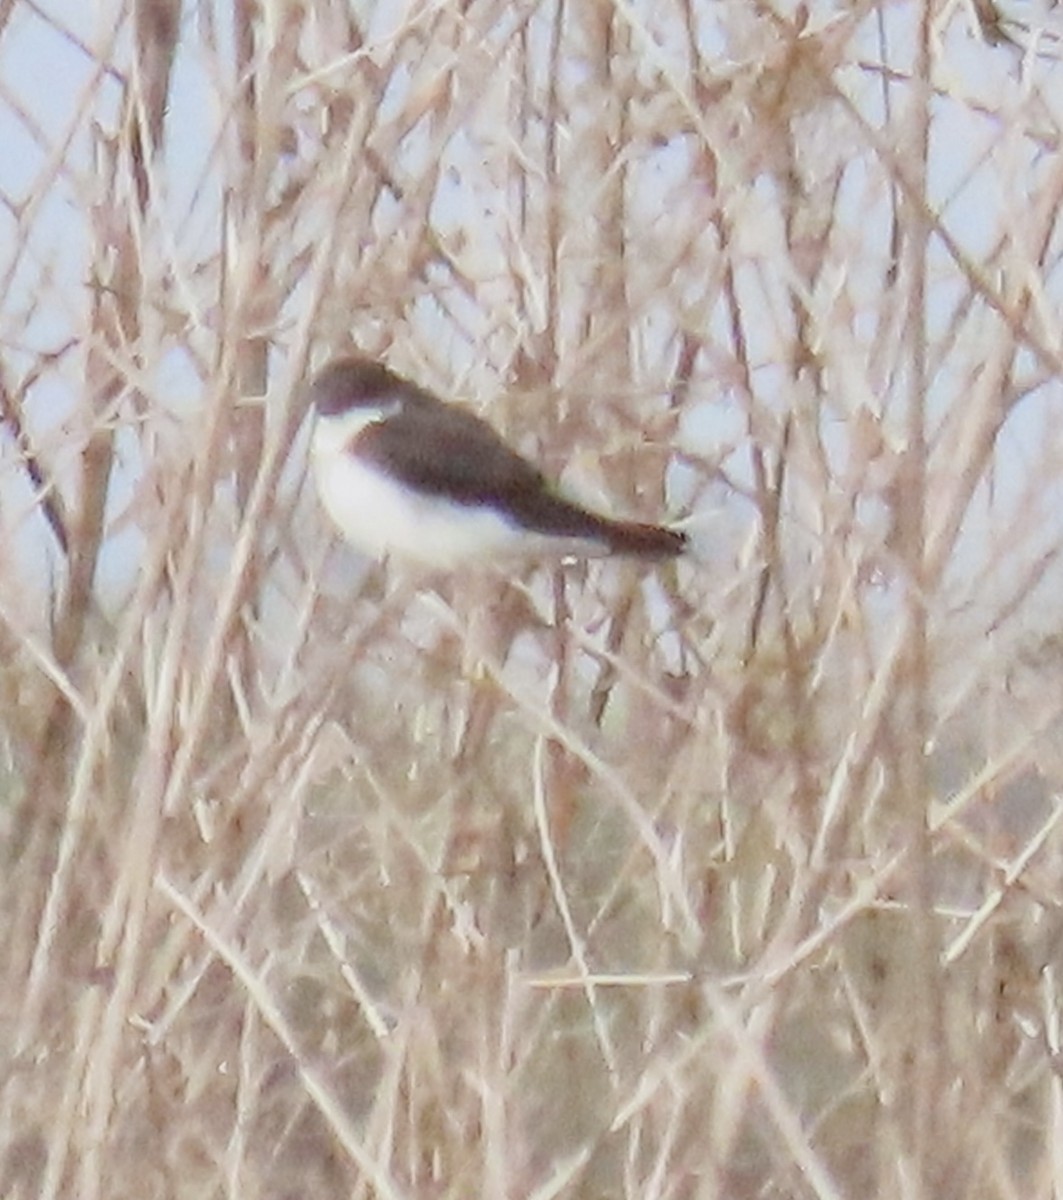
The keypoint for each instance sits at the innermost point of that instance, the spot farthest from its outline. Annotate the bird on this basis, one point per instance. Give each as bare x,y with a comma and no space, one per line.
406,475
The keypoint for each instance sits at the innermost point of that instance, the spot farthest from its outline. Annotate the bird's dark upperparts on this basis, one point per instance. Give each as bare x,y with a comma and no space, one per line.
403,473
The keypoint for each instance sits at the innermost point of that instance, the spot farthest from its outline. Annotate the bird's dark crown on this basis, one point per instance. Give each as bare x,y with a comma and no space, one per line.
350,383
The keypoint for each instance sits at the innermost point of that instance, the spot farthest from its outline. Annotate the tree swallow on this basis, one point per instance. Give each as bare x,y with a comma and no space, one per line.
403,473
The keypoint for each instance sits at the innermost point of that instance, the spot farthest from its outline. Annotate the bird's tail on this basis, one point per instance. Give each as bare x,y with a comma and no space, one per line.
645,541
560,517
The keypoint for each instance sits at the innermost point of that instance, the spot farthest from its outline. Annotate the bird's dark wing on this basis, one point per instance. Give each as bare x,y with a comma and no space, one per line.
448,451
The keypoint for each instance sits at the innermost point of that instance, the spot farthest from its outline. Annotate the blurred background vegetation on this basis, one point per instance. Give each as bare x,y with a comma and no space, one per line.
734,877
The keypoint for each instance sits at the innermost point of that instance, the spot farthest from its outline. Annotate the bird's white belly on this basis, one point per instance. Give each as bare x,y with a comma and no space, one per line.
379,516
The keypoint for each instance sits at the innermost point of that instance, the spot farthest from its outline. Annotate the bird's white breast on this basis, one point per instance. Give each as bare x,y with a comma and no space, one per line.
380,516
